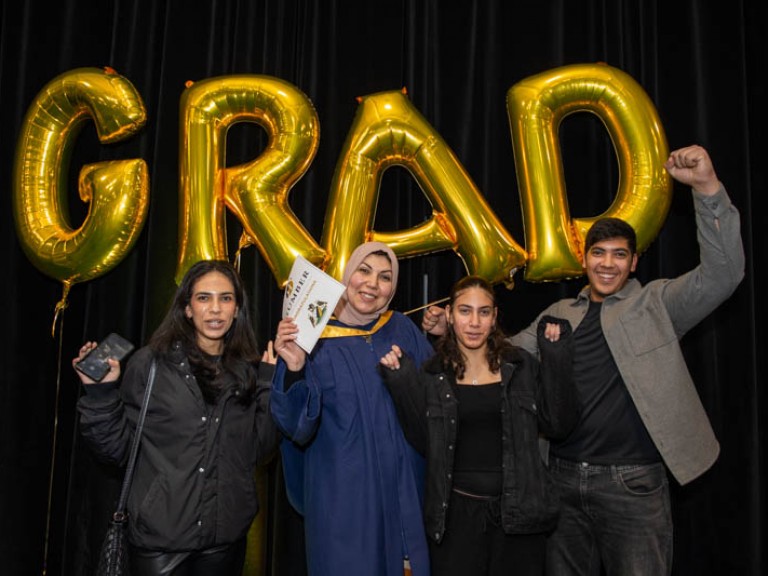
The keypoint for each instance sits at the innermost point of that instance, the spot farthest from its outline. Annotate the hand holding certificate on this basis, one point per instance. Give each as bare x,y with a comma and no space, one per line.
310,298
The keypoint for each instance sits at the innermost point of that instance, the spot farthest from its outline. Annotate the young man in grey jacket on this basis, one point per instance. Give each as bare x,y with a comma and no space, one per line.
640,409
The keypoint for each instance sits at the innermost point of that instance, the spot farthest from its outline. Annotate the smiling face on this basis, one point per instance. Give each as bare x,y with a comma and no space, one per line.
212,309
608,264
473,317
370,286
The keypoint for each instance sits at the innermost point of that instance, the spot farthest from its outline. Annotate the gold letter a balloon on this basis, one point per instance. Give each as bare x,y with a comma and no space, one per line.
388,130
117,191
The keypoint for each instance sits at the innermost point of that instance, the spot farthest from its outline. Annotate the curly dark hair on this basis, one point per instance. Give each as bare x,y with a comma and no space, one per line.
447,345
239,342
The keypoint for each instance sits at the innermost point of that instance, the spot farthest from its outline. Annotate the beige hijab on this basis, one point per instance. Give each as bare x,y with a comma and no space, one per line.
344,311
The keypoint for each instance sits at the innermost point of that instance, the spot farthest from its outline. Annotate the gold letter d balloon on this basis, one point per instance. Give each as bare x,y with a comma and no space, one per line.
117,191
536,106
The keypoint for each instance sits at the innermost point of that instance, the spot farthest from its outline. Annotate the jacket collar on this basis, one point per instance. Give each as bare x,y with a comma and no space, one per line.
631,287
512,355
176,355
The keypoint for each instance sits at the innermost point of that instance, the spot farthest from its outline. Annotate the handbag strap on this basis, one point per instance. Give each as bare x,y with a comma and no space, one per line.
119,515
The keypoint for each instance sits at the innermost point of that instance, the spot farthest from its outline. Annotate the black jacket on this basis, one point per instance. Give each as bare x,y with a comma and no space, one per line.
194,484
537,399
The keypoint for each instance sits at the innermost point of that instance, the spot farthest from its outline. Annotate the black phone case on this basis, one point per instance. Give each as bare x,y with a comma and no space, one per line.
95,365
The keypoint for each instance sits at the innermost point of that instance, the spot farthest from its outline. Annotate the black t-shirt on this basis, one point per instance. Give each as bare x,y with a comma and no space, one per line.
610,430
477,463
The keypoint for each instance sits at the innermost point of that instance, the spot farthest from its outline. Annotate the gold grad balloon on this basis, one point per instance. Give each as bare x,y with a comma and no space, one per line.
388,130
536,106
257,191
117,191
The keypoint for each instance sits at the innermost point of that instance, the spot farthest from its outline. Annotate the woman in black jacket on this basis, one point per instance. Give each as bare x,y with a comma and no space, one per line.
207,427
477,410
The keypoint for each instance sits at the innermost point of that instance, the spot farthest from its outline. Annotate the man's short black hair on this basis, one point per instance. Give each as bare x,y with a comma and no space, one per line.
606,228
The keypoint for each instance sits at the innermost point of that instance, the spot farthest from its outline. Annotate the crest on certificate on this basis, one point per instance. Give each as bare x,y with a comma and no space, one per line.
310,297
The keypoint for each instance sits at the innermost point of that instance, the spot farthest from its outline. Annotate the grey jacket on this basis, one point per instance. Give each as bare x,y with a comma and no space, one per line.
643,325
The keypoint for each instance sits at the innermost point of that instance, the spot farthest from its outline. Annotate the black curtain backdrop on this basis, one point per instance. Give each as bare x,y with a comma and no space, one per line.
703,65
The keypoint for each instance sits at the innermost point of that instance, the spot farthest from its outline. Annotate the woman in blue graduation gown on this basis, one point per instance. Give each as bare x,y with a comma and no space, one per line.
348,468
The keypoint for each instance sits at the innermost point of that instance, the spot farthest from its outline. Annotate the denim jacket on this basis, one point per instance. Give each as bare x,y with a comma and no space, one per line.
537,399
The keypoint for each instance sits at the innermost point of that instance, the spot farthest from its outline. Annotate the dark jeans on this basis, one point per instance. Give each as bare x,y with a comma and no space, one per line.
219,561
475,543
617,517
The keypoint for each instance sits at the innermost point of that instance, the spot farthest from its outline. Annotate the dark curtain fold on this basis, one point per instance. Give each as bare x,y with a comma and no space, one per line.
703,65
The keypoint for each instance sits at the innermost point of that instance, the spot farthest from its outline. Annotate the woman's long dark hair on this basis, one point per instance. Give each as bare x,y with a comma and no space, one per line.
239,342
447,345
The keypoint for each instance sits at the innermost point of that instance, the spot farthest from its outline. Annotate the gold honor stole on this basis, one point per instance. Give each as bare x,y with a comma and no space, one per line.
341,331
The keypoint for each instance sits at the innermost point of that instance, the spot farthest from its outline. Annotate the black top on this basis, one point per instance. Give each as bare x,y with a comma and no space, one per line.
477,467
610,430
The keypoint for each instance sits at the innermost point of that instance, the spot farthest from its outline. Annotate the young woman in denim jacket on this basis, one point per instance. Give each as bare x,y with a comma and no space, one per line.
476,410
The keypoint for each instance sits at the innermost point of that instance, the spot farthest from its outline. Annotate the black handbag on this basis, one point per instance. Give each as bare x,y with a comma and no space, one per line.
114,558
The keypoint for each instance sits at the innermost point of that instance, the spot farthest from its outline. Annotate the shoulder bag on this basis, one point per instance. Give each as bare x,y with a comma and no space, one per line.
114,558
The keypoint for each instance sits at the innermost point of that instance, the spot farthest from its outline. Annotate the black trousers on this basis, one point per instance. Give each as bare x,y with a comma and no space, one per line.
219,561
475,543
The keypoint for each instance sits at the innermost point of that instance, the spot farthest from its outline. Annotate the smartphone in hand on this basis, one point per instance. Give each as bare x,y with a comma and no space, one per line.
95,365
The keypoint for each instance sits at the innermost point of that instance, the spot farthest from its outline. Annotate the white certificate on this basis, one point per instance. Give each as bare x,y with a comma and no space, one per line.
310,298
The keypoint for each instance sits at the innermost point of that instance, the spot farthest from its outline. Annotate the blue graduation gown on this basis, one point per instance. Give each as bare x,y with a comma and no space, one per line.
348,468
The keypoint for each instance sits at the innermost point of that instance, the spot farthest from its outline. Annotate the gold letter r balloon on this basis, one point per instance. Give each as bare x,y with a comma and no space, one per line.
257,191
117,191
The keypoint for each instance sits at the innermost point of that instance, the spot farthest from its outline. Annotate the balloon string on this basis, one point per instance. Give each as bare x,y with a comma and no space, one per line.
433,303
55,436
236,263
244,242
61,305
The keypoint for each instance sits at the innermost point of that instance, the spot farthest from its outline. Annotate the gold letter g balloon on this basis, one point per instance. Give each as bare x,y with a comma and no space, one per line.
117,190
